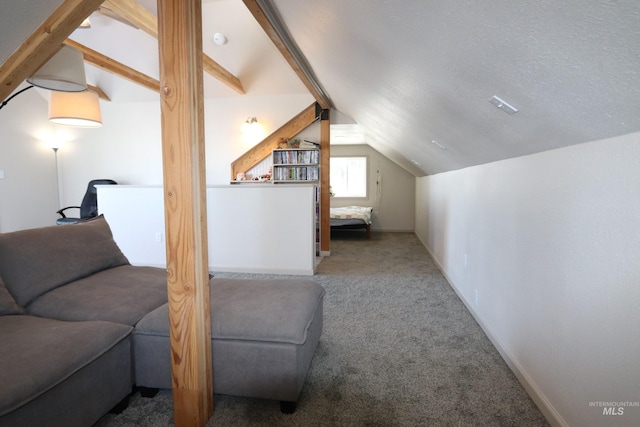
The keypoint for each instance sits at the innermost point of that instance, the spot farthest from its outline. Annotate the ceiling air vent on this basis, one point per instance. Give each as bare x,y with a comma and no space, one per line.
437,144
502,105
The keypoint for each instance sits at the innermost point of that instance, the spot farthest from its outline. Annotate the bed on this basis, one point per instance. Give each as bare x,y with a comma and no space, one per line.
351,217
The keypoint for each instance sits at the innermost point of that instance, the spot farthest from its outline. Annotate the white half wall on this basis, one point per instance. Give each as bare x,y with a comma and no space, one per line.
251,228
545,252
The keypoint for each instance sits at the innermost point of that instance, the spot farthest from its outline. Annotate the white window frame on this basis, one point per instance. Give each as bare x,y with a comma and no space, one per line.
336,189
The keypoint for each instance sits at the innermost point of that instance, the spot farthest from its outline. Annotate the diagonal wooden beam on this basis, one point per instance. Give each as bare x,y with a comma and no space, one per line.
260,16
134,13
99,91
146,21
104,62
213,68
113,15
263,149
43,43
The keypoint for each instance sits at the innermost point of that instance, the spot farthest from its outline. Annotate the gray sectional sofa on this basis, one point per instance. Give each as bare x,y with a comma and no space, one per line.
80,328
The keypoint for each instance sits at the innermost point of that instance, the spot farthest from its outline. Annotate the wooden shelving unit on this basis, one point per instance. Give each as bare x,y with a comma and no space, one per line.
291,165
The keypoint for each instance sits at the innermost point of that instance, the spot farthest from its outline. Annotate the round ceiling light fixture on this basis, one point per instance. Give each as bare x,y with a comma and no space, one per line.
219,39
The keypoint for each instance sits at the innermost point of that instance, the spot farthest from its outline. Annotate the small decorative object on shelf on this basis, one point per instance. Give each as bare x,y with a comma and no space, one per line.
309,144
294,143
265,177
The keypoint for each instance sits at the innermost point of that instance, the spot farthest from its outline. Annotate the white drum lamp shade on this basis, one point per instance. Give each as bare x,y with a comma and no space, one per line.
81,109
63,72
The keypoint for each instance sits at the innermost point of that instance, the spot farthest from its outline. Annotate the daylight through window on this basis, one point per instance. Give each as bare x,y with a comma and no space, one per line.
348,176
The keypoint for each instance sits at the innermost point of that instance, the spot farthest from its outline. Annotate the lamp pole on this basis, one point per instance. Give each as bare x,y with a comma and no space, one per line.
55,154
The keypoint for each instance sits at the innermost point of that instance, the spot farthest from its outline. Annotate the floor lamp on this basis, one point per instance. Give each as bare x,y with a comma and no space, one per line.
55,154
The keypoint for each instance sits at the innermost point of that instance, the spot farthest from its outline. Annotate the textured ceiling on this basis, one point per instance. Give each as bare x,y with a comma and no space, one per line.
248,53
18,19
413,71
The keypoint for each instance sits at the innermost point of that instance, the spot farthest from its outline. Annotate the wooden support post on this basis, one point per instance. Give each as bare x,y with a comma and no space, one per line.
182,112
325,200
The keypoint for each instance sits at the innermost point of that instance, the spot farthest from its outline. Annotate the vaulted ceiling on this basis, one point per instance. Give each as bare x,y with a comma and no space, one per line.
412,78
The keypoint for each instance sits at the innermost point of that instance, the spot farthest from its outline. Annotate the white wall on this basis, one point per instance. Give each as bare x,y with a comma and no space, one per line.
128,148
393,205
551,243
28,194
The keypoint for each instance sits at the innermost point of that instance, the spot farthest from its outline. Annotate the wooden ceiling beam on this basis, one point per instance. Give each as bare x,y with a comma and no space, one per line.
99,91
43,43
260,16
113,15
137,15
104,62
146,21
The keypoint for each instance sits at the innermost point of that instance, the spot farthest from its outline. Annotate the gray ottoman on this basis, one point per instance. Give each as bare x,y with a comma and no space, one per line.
263,334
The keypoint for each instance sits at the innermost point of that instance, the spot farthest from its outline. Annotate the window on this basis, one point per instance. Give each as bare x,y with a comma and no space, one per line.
348,177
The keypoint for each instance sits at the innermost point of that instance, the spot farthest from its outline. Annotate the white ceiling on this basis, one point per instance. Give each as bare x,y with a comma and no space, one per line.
413,71
248,53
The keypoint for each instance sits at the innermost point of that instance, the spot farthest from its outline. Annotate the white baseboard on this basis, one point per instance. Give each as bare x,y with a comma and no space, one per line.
545,406
289,272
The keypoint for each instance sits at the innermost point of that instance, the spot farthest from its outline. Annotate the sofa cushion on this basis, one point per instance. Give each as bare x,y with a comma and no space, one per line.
121,294
7,303
37,260
38,354
274,310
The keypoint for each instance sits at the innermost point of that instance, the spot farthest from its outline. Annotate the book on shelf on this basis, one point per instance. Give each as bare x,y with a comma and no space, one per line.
297,156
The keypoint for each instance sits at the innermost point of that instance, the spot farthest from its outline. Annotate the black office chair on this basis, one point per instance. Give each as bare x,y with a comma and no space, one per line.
88,207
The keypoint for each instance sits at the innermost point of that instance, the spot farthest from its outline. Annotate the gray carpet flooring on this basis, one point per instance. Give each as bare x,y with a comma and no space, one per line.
398,348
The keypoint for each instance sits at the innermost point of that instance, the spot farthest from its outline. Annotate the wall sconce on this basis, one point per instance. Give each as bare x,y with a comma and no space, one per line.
81,109
249,124
252,130
63,72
